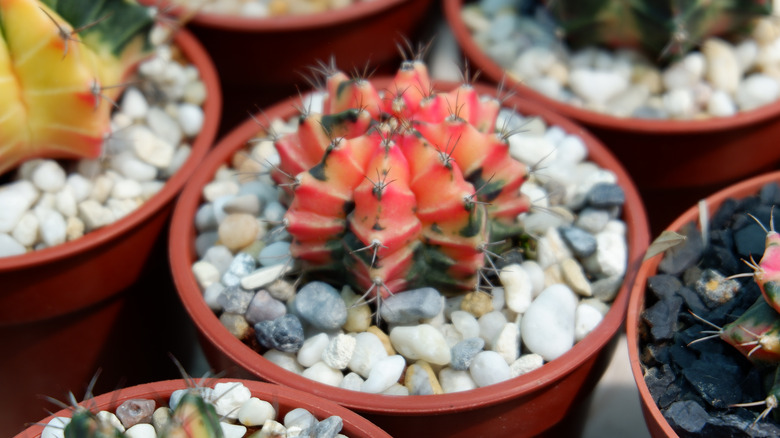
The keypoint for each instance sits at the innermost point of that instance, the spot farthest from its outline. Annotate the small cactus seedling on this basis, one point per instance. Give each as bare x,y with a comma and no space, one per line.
664,29
401,188
61,65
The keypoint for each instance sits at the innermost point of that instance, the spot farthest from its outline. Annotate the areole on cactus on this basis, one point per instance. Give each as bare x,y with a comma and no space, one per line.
663,29
399,189
61,67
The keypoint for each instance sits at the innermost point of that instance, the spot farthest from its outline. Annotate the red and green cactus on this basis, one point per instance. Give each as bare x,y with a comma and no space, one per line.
663,29
61,64
399,188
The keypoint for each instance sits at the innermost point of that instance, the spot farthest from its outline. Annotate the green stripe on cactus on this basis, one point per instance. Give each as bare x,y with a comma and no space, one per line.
771,291
111,25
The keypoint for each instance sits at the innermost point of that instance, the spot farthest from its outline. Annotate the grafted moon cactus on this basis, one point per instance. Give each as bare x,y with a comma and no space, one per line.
662,28
401,187
61,64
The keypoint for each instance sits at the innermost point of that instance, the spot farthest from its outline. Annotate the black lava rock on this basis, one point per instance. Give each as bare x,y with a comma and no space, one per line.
662,317
687,415
679,258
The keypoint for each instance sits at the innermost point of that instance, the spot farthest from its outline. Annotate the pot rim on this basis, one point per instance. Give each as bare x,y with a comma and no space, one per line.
182,251
291,398
739,190
285,23
212,108
472,51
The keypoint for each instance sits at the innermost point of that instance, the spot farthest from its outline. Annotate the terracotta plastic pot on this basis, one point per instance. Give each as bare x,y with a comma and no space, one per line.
524,406
656,423
287,399
261,60
673,162
59,306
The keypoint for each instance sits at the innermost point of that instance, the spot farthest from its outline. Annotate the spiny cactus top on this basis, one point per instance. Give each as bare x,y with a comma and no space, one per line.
663,28
61,63
399,188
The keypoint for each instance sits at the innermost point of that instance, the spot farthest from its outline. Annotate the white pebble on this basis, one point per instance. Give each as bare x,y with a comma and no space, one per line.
65,202
679,103
79,185
536,274
16,198
339,351
111,418
134,104
48,176
255,412
721,104
596,86
531,149
352,381
141,430
455,380
384,374
723,69
518,288
52,226
587,318
368,351
218,189
526,363
465,323
55,428
271,429
190,119
321,372
264,276
228,398
126,189
611,254
312,349
488,368
284,360
757,90
230,430
507,343
421,342
136,169
26,231
490,326
151,148
205,273
547,328
164,126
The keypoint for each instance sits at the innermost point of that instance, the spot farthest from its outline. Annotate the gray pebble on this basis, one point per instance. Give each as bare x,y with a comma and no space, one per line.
274,212
606,289
411,306
264,307
204,241
581,243
276,253
235,300
329,427
230,279
464,352
605,195
264,192
284,333
219,256
320,305
205,219
242,264
592,220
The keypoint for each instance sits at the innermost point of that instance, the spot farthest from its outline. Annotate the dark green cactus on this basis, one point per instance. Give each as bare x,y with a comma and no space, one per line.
664,29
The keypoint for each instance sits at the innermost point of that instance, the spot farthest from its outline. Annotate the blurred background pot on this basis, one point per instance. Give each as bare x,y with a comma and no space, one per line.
261,60
657,424
68,310
673,162
523,406
284,400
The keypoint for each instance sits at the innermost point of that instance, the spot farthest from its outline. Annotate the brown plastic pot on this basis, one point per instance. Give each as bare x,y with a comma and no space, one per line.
262,60
656,423
524,406
287,399
673,162
59,305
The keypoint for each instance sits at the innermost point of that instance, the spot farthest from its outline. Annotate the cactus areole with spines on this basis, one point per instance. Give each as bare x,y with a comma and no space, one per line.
61,66
400,188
